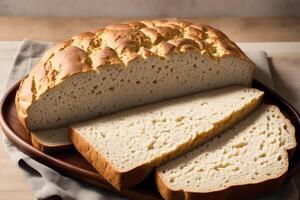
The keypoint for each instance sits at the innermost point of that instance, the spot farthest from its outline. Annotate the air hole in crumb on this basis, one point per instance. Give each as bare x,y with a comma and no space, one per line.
200,170
261,146
279,158
171,180
236,169
262,155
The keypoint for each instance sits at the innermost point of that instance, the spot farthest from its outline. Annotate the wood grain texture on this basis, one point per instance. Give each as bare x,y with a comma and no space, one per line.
12,183
239,29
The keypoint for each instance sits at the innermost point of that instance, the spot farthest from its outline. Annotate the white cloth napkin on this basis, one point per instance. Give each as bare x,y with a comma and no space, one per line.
46,182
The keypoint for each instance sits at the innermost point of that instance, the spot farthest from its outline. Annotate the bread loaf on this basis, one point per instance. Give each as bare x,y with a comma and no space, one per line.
125,146
247,160
125,65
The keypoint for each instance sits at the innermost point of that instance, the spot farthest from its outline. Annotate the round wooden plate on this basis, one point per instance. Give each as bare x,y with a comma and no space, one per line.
71,163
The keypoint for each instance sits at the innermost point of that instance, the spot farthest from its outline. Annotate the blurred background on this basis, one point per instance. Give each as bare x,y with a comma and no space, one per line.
57,19
151,8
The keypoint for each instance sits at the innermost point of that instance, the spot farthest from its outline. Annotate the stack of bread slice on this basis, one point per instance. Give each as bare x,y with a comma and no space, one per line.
247,160
169,96
126,146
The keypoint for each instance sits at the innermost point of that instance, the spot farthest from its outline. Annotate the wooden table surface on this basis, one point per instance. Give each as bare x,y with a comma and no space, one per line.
283,48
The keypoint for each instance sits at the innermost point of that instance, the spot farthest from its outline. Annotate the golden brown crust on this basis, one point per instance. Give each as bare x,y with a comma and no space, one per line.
249,191
120,180
120,44
165,191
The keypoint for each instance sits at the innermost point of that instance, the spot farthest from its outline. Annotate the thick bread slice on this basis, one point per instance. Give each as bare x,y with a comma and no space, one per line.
249,159
125,65
124,147
52,141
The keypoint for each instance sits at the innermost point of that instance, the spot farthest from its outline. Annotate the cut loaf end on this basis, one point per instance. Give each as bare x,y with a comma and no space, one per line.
52,141
124,147
116,88
249,159
126,65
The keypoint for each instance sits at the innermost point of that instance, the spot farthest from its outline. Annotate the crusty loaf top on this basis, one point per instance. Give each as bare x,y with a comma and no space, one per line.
120,44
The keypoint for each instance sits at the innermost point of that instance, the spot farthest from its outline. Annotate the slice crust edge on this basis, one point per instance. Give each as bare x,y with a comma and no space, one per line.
128,179
237,191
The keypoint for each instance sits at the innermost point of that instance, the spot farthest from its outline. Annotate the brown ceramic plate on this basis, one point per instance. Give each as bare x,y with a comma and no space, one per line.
71,163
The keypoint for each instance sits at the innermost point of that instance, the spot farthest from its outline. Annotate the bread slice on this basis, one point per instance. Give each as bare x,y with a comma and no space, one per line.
124,147
249,159
52,141
126,65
